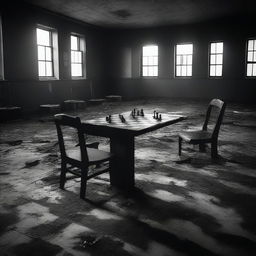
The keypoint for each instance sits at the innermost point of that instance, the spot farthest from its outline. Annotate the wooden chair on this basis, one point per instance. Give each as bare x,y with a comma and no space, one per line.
81,156
204,136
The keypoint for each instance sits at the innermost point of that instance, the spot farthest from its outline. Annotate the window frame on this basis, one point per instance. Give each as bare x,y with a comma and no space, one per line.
175,61
246,57
1,51
53,45
141,72
209,60
82,49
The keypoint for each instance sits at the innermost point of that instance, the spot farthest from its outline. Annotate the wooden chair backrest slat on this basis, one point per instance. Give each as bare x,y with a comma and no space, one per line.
74,122
220,105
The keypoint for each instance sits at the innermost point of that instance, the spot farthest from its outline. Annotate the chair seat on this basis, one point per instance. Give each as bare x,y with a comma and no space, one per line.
195,137
94,155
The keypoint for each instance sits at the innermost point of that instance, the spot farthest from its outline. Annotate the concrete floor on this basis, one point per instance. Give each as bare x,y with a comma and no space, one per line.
202,207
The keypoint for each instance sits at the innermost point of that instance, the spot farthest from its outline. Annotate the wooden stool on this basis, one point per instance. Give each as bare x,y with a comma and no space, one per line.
96,101
74,104
113,98
9,113
50,108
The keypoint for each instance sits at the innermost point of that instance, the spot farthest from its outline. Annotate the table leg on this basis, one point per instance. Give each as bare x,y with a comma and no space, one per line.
122,164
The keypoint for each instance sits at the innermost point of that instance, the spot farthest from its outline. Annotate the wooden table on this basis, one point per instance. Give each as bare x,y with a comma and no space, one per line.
122,136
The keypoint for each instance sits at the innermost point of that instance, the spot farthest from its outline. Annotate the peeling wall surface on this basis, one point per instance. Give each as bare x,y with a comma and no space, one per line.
202,207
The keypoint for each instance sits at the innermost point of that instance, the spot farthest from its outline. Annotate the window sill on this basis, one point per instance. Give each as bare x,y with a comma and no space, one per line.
48,79
78,78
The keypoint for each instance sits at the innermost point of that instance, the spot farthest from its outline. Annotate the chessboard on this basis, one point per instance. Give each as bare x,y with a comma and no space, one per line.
131,122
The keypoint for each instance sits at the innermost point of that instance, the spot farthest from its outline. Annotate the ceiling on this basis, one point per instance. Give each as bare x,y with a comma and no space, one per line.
146,13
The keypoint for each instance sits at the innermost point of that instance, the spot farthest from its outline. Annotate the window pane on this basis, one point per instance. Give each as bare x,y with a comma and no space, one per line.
74,43
150,71
178,59
150,60
145,61
48,53
219,59
250,45
189,70
213,47
43,37
41,68
145,71
155,60
254,56
219,47
254,70
78,57
48,68
178,70
212,61
76,69
219,70
41,52
155,71
150,50
183,70
184,49
189,59
249,69
212,70
250,56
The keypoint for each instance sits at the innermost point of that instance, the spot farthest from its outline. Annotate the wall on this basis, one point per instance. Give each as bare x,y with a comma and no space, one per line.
234,31
21,85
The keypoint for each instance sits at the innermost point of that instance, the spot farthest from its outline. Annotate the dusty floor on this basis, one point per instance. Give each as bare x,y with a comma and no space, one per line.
202,207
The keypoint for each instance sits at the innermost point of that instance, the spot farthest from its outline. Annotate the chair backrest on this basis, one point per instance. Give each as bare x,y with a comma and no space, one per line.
220,105
62,120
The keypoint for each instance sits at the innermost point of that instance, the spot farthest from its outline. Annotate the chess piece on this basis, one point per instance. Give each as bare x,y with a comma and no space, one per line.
160,117
107,118
138,112
142,112
154,114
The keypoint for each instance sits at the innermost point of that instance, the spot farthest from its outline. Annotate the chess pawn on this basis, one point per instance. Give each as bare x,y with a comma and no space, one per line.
156,115
160,117
142,112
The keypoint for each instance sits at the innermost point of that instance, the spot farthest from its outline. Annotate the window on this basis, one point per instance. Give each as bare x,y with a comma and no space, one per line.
216,59
150,60
77,56
47,52
44,49
251,58
1,52
184,56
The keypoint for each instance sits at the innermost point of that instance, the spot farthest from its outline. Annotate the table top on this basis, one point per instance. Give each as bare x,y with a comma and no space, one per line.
133,126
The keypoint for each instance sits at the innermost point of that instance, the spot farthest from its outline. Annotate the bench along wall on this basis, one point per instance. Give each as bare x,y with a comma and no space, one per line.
22,86
125,75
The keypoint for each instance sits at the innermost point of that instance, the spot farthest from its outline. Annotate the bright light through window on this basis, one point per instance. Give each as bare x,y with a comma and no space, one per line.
44,53
184,57
150,60
76,56
216,59
251,58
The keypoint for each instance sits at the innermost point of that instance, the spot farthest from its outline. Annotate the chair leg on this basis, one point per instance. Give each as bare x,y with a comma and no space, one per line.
214,149
84,172
180,144
63,174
